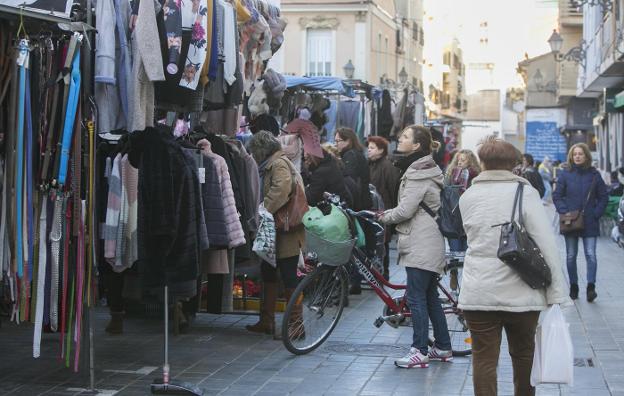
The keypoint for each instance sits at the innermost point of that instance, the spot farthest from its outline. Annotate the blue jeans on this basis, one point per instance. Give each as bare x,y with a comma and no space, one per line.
424,304
458,245
589,247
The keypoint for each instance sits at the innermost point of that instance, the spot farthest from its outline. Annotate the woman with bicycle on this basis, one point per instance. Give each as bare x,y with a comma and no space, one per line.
420,245
493,297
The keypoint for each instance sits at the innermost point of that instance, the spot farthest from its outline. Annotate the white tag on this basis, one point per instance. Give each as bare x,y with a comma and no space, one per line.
202,175
22,58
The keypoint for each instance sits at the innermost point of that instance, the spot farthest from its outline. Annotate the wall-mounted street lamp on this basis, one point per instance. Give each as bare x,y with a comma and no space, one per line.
348,69
576,54
403,76
540,86
606,5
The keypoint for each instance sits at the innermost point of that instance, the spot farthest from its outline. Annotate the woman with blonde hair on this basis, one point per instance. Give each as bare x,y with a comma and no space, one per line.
420,245
581,188
463,168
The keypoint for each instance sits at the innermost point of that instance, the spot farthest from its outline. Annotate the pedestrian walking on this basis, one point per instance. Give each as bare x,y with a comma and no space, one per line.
546,172
420,245
580,188
529,172
385,177
276,184
493,296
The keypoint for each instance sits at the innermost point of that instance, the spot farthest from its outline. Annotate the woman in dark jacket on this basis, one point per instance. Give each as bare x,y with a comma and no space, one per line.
324,175
385,177
355,166
581,187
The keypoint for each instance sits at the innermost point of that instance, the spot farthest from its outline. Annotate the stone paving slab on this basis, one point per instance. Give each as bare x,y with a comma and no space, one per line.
222,358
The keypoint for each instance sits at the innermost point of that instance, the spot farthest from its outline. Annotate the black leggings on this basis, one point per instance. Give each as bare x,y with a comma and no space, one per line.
287,268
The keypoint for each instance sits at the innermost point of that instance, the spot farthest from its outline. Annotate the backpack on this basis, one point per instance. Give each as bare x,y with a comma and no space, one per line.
448,217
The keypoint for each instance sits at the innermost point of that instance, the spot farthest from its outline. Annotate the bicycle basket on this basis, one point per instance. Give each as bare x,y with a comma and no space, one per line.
328,252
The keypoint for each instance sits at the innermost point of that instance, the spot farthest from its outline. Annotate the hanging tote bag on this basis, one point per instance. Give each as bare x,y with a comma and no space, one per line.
291,214
520,252
574,221
553,359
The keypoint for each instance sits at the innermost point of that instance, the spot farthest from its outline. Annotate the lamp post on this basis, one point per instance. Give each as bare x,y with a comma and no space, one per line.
348,69
403,76
576,54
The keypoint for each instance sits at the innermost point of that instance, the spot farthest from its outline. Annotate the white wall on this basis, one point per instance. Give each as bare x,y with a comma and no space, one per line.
474,131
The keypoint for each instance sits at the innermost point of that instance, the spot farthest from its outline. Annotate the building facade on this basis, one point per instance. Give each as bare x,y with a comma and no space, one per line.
379,37
601,79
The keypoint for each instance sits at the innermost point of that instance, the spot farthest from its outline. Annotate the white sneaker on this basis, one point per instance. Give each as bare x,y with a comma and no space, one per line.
413,359
439,354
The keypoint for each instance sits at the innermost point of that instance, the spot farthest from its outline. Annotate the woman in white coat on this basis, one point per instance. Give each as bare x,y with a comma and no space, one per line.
420,245
493,297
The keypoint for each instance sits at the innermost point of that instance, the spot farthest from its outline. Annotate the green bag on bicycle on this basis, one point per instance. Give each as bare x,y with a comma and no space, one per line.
333,227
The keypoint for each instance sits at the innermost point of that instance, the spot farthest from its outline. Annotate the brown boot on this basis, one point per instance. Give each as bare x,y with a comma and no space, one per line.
296,331
115,325
266,324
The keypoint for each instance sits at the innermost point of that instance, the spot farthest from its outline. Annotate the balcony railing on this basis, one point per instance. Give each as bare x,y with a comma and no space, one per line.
600,50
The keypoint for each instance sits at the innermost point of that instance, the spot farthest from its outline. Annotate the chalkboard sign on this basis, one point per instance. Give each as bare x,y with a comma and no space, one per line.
543,139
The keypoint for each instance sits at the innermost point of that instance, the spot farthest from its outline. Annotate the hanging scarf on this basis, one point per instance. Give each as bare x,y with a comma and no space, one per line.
197,48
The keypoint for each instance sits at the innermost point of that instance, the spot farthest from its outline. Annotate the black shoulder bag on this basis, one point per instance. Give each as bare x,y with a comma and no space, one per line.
519,251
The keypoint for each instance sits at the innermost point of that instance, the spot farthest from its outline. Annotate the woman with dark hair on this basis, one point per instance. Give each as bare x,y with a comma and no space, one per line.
580,187
385,177
493,297
324,175
420,245
355,166
276,184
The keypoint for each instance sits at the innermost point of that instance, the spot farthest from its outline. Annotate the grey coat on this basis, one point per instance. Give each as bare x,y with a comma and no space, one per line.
420,243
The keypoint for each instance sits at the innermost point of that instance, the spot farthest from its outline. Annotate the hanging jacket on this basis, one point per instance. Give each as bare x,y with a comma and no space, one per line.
214,205
570,194
236,236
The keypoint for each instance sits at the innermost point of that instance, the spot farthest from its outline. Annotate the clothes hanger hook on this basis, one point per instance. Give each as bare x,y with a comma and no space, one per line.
21,27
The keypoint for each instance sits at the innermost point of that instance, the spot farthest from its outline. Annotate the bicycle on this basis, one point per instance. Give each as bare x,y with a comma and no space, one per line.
318,301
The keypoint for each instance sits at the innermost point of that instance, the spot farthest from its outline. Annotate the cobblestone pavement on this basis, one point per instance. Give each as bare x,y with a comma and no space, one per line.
221,357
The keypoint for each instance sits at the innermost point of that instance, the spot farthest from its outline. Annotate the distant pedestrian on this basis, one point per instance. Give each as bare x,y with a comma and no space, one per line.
461,171
420,245
580,187
529,172
385,177
546,172
493,297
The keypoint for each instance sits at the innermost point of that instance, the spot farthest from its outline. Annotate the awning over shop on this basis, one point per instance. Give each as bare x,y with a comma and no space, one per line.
619,100
336,84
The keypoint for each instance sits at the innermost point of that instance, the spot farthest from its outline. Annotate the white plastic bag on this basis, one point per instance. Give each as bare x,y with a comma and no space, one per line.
264,244
553,360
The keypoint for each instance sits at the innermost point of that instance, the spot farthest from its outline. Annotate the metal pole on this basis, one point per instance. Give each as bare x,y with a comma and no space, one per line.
91,351
166,365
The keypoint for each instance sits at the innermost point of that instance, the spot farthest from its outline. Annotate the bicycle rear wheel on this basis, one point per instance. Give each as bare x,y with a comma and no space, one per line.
461,341
314,309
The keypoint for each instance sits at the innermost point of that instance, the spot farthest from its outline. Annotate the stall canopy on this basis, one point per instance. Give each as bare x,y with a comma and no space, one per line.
336,84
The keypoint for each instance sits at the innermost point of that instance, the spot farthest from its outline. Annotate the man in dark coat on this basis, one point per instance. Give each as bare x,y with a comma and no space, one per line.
532,175
324,175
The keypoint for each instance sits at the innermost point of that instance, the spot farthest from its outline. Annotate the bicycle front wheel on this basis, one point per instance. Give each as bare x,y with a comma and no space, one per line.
314,309
461,341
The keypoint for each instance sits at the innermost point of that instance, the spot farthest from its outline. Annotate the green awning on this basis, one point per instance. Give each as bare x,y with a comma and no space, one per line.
619,100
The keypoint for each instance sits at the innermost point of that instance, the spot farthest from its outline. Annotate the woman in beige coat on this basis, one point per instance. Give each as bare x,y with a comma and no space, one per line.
276,183
420,245
493,297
